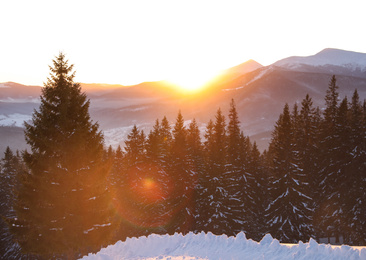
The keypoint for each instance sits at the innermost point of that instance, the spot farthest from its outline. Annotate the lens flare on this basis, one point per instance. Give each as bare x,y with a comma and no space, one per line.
150,196
149,190
142,200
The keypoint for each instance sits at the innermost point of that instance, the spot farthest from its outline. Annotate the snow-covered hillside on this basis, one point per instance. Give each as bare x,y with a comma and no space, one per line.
209,246
347,59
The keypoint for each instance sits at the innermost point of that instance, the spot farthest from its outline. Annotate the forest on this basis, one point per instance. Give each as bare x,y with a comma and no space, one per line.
70,195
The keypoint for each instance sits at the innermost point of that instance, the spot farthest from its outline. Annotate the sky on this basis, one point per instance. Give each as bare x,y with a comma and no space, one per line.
186,42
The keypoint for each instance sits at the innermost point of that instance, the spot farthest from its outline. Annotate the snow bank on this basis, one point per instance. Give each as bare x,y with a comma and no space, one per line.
209,246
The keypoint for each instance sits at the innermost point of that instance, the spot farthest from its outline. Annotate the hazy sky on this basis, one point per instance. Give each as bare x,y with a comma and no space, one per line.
127,42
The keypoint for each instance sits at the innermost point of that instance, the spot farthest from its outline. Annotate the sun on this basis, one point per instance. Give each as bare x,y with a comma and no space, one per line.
192,82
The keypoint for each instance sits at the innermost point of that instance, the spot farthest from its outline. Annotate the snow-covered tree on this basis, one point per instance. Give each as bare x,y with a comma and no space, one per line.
330,216
288,213
239,182
11,167
184,176
215,207
355,210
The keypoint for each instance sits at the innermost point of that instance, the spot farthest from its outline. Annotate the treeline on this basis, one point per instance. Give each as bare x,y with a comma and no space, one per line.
70,196
310,182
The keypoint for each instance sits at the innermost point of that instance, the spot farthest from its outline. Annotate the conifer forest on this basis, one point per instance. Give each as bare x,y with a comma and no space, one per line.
69,194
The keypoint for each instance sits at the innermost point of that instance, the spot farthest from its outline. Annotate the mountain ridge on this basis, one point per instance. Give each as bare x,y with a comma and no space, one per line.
327,59
260,95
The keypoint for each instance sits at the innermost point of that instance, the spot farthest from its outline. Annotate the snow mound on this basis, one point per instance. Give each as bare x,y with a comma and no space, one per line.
209,246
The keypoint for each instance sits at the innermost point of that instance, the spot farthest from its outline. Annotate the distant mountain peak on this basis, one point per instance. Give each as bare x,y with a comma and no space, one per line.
327,57
243,68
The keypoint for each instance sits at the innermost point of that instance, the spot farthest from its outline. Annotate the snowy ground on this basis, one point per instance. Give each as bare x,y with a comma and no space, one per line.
209,246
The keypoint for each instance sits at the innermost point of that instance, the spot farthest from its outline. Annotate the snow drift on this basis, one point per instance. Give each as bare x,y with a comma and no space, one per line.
209,246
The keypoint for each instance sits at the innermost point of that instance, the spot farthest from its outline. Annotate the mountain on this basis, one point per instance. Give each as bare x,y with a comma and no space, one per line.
259,92
243,68
334,61
11,91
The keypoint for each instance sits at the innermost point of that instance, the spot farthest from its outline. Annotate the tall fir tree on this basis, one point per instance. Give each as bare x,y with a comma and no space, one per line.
257,194
216,209
195,150
134,147
204,198
307,146
184,177
165,139
329,165
356,212
63,203
288,210
153,143
239,180
10,169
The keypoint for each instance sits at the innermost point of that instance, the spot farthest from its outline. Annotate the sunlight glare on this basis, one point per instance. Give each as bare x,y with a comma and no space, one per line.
192,82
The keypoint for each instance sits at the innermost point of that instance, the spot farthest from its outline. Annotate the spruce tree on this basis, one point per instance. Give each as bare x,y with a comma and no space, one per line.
216,208
330,143
194,146
257,195
356,212
184,177
205,188
307,145
10,169
165,139
195,150
153,143
288,213
334,218
239,180
134,147
63,205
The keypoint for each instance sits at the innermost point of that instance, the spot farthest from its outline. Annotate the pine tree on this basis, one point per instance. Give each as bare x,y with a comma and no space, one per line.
184,177
335,215
216,212
134,147
205,198
233,130
165,139
194,146
356,212
118,168
195,150
257,194
239,180
10,169
307,146
159,142
287,212
62,207
329,164
153,143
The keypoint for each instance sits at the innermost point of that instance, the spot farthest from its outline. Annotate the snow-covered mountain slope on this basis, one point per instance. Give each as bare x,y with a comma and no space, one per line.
208,246
327,59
